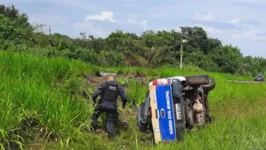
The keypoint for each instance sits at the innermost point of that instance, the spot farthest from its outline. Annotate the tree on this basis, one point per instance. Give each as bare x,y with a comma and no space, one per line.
14,27
153,49
197,38
228,58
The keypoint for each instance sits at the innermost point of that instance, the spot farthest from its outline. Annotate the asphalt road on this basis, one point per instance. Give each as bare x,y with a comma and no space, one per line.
243,81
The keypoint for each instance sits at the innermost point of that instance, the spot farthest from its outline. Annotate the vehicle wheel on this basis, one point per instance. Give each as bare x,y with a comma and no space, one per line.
210,86
196,80
207,115
153,140
189,113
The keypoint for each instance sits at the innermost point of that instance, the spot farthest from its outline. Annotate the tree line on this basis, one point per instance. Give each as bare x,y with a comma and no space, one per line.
150,49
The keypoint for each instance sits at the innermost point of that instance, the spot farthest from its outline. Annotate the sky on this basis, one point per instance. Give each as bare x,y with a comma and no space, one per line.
236,22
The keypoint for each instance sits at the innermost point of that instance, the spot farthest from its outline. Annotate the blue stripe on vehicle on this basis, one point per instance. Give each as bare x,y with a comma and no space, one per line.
166,112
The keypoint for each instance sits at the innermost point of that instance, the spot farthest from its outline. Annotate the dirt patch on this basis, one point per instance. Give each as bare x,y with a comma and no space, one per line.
135,75
127,113
92,79
96,80
142,78
35,147
60,82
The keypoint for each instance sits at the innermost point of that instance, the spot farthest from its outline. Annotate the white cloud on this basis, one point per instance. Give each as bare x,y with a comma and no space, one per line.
235,36
88,27
209,16
235,21
104,15
103,29
143,23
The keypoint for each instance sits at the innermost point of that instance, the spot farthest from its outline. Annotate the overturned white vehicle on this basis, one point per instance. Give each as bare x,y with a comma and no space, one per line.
173,105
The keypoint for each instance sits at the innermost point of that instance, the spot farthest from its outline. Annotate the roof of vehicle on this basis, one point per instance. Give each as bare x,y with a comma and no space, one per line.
259,76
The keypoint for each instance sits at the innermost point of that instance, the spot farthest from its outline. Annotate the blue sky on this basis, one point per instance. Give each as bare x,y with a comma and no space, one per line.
237,22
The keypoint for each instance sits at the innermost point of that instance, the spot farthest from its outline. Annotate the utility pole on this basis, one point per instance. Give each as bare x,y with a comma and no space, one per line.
50,31
181,49
181,55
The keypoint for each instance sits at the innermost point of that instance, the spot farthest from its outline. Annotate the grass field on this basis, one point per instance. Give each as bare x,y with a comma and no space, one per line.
45,104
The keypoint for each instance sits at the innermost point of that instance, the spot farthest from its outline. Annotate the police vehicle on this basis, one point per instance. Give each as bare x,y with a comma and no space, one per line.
173,105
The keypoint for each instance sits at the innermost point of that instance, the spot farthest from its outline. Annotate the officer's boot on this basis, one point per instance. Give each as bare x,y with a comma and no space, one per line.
111,135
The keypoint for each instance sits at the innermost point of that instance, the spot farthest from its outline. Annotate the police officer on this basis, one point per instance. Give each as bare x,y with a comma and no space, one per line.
109,92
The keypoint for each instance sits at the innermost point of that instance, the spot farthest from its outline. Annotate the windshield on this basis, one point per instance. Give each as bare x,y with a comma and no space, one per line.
260,76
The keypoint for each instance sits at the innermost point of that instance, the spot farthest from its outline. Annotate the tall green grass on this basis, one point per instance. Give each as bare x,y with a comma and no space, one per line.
242,133
41,100
29,91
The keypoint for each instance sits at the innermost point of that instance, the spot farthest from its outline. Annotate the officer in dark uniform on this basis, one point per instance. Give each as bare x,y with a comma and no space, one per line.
109,92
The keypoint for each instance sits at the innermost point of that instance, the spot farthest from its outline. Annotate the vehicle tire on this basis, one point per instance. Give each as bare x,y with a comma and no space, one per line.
153,140
197,80
189,113
180,132
210,86
208,118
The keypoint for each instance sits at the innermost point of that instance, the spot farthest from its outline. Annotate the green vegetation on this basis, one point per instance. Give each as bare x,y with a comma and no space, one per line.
43,102
47,82
127,49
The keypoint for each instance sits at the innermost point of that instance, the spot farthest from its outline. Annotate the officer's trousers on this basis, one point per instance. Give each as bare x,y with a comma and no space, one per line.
112,115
